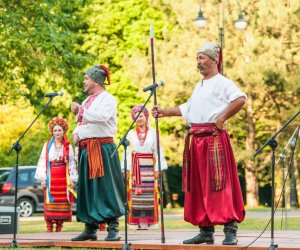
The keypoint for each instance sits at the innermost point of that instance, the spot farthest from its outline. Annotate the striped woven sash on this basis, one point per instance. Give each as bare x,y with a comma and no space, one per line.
93,147
216,157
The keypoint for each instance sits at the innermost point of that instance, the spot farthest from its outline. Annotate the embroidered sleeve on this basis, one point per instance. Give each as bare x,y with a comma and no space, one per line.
72,165
40,173
80,114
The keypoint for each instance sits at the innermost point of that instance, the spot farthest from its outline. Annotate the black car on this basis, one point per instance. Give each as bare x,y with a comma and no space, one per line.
30,197
3,170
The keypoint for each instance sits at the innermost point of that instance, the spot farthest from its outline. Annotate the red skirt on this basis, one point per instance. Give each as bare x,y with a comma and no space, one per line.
60,208
203,205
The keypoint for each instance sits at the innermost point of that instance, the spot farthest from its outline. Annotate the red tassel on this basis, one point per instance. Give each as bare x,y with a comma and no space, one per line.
107,72
220,61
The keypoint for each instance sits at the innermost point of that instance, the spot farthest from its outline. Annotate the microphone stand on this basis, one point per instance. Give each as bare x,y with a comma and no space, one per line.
293,195
160,180
273,144
124,142
17,147
292,143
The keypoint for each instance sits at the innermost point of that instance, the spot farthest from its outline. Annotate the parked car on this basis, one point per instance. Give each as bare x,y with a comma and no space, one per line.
30,197
3,170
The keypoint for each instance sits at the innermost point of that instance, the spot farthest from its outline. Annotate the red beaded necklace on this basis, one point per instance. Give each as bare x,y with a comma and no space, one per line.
141,135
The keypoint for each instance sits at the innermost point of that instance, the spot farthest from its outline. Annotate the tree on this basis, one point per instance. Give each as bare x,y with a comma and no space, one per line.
40,48
40,53
117,34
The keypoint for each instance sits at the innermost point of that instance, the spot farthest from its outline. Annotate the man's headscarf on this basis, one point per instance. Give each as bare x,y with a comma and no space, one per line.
138,108
211,49
99,73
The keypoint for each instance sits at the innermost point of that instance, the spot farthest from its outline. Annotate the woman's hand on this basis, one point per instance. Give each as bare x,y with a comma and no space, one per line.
73,184
43,184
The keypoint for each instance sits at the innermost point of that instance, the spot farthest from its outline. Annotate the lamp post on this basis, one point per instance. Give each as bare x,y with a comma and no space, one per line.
240,23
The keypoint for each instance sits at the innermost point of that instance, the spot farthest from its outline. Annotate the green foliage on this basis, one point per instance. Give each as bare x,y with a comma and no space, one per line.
39,51
12,129
174,174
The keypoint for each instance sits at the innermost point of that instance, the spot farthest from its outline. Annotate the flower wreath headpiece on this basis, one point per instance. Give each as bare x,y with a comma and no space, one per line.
58,121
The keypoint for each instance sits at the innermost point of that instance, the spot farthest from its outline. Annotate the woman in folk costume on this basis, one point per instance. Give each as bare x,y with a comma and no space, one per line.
57,172
142,166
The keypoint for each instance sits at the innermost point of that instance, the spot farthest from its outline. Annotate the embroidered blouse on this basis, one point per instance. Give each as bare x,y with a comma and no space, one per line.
149,146
55,155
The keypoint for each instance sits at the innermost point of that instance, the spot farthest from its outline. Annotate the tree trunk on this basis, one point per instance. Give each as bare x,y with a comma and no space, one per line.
251,186
250,173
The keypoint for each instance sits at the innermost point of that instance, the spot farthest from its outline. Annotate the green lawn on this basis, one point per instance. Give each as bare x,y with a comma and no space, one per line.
171,223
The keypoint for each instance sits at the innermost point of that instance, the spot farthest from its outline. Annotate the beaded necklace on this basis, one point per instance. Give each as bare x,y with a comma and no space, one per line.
57,151
141,135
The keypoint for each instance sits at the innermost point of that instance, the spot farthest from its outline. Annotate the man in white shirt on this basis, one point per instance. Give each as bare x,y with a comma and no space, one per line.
210,180
100,185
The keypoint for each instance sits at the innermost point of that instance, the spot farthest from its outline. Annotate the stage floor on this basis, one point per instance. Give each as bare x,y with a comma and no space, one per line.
151,239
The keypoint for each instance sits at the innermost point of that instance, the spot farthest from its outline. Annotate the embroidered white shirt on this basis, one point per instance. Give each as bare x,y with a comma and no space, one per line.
100,119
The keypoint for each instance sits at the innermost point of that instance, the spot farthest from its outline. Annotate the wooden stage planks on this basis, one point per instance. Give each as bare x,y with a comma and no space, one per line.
151,239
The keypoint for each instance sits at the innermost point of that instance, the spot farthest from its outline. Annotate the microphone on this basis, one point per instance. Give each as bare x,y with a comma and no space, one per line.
154,85
54,94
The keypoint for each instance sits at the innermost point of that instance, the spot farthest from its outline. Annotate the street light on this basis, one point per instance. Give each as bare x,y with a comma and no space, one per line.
200,21
239,24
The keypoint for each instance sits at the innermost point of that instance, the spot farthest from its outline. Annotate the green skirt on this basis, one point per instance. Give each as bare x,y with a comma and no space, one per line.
101,198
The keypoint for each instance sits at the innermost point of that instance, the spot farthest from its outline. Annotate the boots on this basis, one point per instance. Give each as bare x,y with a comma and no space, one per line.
113,230
230,230
59,225
206,236
89,233
49,224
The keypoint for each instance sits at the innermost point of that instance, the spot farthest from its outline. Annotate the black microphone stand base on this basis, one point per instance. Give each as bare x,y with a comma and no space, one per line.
126,246
272,247
14,244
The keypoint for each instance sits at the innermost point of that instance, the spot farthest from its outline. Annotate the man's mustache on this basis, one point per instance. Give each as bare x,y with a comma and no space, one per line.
199,66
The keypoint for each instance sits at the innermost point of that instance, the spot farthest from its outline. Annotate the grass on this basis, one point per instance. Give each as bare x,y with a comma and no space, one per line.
173,223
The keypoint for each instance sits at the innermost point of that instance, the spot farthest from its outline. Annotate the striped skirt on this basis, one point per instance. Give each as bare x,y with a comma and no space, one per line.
60,208
143,195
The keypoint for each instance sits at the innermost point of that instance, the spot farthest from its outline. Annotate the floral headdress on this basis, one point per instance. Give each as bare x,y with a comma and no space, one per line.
58,121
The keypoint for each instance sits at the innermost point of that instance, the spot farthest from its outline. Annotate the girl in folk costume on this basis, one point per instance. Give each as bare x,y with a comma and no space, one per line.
57,172
143,191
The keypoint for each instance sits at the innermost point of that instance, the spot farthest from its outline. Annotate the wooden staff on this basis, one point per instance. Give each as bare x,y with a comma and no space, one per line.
157,141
